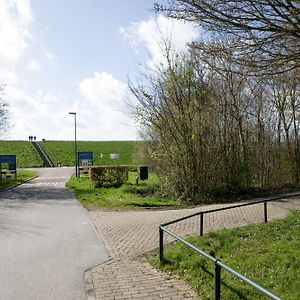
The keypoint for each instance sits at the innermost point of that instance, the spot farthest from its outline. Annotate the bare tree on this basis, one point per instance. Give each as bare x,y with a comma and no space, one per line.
212,128
3,112
264,34
285,95
174,106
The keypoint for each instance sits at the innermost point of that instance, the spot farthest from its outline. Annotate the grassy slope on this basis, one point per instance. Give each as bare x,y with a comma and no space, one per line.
127,196
22,175
26,155
63,151
269,254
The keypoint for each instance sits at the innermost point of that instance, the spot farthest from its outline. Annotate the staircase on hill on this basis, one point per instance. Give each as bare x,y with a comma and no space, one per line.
45,158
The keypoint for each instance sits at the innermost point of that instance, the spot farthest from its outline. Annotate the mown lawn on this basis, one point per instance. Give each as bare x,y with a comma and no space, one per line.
129,195
27,156
63,151
268,253
22,175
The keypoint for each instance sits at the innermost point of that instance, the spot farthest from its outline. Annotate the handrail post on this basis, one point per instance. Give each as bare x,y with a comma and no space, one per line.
201,223
265,211
217,280
161,245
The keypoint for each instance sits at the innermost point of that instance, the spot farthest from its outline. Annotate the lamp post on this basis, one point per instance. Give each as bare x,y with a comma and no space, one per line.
76,167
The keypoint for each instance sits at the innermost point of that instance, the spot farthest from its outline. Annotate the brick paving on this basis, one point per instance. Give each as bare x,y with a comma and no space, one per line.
129,234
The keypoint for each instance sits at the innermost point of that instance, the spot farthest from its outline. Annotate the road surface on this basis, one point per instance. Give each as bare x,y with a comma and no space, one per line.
47,240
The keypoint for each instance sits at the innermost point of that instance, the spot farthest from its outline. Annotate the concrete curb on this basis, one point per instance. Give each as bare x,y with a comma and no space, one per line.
101,236
88,285
14,186
87,278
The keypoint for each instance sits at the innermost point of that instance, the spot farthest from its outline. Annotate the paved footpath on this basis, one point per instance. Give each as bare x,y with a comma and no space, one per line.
48,240
132,233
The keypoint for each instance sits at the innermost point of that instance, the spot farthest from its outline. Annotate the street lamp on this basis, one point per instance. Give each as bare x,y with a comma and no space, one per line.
76,171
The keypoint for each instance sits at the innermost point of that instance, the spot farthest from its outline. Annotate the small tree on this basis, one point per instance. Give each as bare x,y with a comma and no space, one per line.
175,107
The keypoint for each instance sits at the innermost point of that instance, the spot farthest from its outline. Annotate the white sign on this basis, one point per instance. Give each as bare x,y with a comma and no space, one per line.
85,164
114,156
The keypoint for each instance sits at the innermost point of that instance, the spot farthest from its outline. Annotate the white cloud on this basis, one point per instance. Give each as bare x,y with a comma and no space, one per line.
15,20
24,109
33,65
50,56
103,89
155,33
42,115
105,103
102,113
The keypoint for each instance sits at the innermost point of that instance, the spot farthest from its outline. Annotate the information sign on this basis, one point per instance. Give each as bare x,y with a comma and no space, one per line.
114,156
8,166
84,160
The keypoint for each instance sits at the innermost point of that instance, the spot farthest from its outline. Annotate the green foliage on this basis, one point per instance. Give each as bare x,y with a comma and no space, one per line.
211,129
63,151
22,175
269,254
27,156
178,119
129,195
109,176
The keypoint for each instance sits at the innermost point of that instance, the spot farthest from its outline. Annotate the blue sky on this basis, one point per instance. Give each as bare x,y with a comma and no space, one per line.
76,55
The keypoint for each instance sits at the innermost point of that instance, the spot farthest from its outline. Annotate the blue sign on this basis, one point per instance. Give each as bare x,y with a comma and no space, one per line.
84,160
85,156
8,167
8,159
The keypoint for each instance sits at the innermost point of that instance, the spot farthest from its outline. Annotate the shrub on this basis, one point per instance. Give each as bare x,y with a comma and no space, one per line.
109,176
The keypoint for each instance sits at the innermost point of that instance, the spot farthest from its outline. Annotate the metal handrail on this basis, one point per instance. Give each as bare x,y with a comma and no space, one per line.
218,267
218,264
231,207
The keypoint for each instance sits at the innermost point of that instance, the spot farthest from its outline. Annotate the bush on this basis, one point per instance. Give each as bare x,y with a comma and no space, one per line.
109,176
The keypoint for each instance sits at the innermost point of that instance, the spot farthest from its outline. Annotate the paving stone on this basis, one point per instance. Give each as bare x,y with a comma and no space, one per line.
128,234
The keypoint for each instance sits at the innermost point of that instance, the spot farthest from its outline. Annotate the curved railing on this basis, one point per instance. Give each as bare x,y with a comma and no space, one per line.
219,265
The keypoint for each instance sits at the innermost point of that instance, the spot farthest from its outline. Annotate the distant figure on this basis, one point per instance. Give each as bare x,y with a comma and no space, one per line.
34,138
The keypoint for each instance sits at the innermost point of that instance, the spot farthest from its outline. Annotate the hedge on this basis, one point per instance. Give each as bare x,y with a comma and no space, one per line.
109,176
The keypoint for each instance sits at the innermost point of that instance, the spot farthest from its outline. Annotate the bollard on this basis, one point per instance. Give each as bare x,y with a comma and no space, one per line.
161,245
201,223
217,281
266,211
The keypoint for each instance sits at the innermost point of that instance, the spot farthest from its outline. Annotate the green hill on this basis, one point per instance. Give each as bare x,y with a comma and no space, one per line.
27,157
63,152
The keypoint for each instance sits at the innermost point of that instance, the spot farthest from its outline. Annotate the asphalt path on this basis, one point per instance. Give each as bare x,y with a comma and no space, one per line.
47,240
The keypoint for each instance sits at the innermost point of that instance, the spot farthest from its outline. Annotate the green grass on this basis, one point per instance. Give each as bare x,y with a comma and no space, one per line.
125,197
63,151
22,175
27,157
268,253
